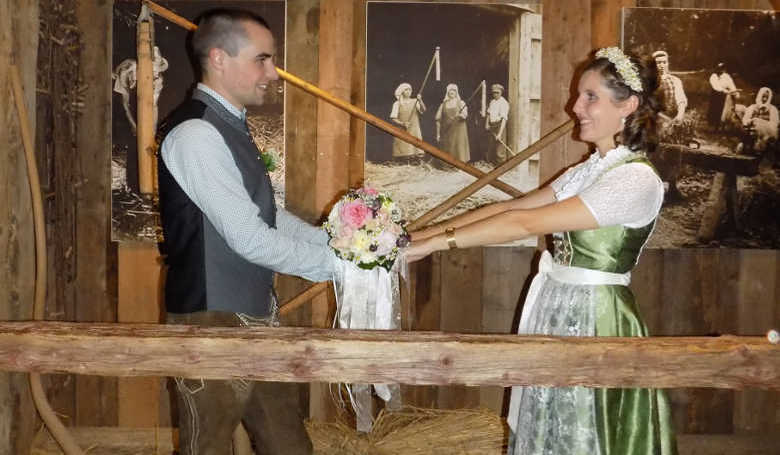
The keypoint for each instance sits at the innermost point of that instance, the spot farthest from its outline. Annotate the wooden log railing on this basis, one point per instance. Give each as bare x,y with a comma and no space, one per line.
304,355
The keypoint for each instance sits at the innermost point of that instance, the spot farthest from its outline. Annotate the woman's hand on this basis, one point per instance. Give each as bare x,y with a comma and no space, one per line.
428,232
419,249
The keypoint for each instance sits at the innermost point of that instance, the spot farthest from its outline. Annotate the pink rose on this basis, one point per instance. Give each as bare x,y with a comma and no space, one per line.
354,213
370,191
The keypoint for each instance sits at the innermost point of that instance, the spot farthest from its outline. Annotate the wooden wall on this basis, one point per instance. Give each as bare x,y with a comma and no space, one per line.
18,30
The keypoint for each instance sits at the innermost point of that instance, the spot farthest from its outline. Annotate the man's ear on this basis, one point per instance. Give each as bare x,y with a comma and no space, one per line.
216,58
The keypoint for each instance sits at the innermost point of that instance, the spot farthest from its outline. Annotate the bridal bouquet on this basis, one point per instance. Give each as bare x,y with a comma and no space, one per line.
366,231
366,227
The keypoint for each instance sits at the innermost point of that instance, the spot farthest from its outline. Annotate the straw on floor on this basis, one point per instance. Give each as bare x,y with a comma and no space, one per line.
414,431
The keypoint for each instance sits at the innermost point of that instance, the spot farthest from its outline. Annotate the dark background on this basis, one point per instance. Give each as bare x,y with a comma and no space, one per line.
401,39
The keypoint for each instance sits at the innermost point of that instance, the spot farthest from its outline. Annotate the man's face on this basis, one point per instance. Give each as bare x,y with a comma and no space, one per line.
662,62
496,94
246,76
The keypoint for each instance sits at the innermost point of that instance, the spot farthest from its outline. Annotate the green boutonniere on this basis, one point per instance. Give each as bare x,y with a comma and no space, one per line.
269,159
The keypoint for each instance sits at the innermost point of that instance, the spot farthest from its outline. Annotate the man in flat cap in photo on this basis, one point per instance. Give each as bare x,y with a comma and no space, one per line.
495,124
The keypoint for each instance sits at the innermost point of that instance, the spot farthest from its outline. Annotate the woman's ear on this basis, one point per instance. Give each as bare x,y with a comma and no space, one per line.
629,106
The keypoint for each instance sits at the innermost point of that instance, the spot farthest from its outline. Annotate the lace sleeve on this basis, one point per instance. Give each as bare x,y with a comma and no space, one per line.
630,194
559,183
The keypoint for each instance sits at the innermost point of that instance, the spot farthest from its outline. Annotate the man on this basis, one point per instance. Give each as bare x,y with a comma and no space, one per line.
495,124
225,238
674,101
673,127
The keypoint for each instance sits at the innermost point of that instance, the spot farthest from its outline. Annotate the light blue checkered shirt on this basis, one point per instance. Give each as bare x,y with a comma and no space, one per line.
199,160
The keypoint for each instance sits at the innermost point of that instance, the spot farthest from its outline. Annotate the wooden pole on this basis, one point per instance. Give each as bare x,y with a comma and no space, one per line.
495,173
310,292
145,96
357,112
306,355
426,218
397,132
49,417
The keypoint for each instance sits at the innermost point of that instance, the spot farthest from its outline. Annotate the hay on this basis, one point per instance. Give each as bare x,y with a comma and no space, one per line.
420,187
414,431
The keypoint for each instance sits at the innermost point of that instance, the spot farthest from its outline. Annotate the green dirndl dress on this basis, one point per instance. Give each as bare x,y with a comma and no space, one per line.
583,291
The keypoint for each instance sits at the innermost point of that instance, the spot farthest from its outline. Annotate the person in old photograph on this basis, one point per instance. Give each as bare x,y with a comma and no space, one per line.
224,236
673,126
406,113
601,213
722,98
125,80
451,128
495,124
760,122
673,99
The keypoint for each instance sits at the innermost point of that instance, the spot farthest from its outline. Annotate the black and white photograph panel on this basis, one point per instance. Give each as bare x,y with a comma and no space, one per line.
134,212
463,77
719,71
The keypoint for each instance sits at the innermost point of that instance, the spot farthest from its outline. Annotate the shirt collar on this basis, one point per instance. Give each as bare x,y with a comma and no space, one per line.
241,114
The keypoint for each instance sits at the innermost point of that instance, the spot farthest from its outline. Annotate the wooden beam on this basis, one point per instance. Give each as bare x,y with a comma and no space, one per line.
304,355
731,163
332,174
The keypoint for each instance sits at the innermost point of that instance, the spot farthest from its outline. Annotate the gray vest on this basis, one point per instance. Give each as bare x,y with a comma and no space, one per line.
204,273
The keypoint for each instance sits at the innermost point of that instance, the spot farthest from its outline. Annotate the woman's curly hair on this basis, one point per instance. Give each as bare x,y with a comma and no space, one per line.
640,131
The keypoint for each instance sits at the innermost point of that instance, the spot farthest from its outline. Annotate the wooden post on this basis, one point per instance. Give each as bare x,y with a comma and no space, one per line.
332,123
19,46
146,110
139,297
605,21
563,21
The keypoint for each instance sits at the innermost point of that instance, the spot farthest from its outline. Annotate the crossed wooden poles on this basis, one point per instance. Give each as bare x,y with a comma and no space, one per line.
483,179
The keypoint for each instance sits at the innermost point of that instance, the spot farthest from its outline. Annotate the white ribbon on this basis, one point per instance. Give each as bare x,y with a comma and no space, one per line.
564,274
367,299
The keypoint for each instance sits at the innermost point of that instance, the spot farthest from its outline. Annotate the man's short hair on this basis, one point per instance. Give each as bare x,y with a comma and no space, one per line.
657,54
497,88
223,29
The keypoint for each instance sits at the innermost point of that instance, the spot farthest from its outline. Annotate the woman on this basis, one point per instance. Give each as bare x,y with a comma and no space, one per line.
761,120
406,112
451,129
721,97
601,213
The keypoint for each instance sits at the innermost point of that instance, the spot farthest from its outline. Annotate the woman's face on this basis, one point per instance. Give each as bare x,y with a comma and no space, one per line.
764,97
451,93
407,92
598,115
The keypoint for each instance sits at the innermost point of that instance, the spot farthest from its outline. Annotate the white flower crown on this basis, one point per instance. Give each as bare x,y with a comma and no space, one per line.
627,70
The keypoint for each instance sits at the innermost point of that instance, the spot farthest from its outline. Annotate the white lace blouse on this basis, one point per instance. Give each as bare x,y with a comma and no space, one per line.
630,194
